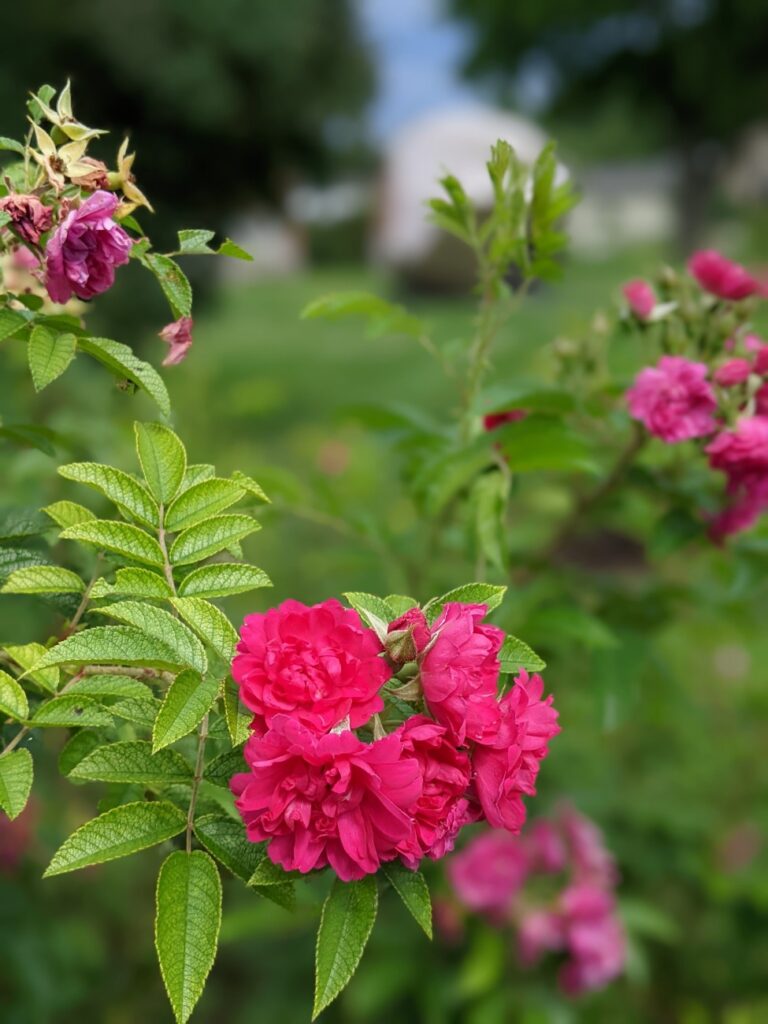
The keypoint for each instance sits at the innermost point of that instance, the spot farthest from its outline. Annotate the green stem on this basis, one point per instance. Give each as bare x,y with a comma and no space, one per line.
202,736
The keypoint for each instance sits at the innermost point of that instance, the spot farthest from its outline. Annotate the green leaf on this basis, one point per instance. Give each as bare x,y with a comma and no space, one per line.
111,645
12,145
210,624
188,700
400,603
163,459
225,839
194,241
490,494
26,657
68,513
102,687
12,559
250,485
413,890
201,501
20,523
488,594
16,771
222,579
49,355
374,611
232,249
43,579
13,700
119,487
133,762
516,654
133,582
346,922
210,537
237,717
123,539
383,317
10,322
502,398
118,833
162,626
187,924
222,768
172,280
70,711
123,363
543,443
197,472
142,711
76,748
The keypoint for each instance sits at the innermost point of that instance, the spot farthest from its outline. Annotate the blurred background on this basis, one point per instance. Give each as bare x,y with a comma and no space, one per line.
311,131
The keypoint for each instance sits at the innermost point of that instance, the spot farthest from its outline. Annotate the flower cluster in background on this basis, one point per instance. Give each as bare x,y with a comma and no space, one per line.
712,382
555,886
370,746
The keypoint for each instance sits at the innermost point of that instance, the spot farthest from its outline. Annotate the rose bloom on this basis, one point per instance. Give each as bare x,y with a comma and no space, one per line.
489,872
506,767
539,932
734,372
594,937
442,809
178,335
742,454
492,420
319,664
591,860
460,671
83,251
29,217
330,800
640,298
546,846
721,277
673,400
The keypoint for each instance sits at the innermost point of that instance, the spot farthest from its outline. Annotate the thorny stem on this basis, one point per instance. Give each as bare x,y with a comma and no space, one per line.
202,736
134,673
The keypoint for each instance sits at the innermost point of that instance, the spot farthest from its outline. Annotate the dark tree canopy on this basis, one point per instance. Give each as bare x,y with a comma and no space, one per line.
230,97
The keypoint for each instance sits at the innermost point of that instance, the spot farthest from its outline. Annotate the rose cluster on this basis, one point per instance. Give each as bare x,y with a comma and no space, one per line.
329,785
723,399
555,885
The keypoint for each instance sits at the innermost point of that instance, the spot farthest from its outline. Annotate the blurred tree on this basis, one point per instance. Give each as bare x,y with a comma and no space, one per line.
233,98
696,68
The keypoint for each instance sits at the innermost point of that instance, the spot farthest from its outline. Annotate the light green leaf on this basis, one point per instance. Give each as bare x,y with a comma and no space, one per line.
118,833
133,762
111,645
10,322
413,890
346,922
210,537
13,700
543,443
68,513
123,539
12,145
123,363
102,687
133,582
76,748
222,768
163,459
374,611
267,873
43,579
232,249
383,317
162,626
250,485
400,603
142,711
16,771
187,924
470,593
201,501
116,485
26,657
237,717
70,711
515,655
188,700
194,241
172,280
210,624
197,472
222,579
490,494
49,355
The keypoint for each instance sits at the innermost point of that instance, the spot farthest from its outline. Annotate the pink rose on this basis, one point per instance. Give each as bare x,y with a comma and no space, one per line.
541,931
85,248
319,664
29,217
546,845
506,766
594,937
489,872
442,809
331,800
742,454
734,372
721,277
591,861
460,672
178,335
640,298
674,400
492,420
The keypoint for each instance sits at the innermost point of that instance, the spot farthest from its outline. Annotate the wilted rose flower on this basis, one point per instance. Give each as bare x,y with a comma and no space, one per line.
178,335
640,298
85,248
330,800
442,809
734,372
460,670
674,400
319,664
30,218
97,175
721,277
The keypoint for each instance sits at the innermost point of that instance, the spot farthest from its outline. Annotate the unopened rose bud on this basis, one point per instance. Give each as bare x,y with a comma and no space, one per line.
407,637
